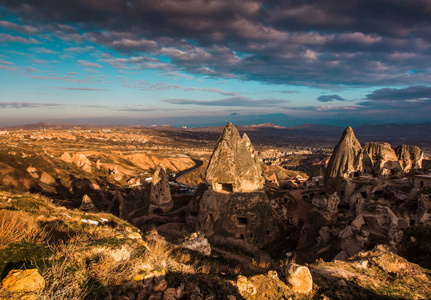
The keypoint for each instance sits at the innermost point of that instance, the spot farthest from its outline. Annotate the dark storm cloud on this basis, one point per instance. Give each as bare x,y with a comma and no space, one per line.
234,101
409,93
313,43
329,98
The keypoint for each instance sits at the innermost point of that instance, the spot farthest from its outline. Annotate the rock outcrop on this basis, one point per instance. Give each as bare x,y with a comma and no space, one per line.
234,165
160,192
381,159
87,204
345,159
235,207
82,162
410,157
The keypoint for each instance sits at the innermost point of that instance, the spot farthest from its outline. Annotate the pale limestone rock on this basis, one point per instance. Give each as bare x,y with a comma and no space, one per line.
160,192
197,242
299,278
234,165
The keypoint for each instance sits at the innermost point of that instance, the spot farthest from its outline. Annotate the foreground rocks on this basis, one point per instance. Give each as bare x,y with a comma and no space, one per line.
299,278
22,284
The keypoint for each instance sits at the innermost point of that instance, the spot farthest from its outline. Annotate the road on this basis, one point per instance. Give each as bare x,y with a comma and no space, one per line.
198,164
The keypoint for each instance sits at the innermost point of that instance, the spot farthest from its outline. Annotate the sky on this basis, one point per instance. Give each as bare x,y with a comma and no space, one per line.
206,62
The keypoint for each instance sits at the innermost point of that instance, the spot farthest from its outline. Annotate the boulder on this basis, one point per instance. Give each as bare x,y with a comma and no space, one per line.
197,242
20,284
299,278
160,192
46,178
234,165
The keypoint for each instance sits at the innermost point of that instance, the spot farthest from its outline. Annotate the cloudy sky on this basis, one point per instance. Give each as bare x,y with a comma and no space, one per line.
198,62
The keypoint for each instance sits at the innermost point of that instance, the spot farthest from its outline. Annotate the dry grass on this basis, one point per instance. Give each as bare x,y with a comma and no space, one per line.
17,227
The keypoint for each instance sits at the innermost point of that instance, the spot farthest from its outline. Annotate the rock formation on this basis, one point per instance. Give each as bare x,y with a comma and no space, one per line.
160,192
346,157
234,166
410,157
87,204
81,161
235,207
380,159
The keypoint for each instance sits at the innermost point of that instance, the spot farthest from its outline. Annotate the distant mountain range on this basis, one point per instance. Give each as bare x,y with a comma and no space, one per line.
396,134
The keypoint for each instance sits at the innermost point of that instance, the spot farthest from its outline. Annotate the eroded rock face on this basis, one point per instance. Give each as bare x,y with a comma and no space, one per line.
234,165
160,192
410,157
346,157
245,216
381,159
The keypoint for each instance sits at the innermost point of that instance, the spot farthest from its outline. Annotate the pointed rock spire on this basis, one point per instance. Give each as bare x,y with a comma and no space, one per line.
87,204
160,193
346,157
234,165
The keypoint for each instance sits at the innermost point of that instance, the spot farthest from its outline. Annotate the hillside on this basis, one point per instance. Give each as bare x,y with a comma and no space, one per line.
96,255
